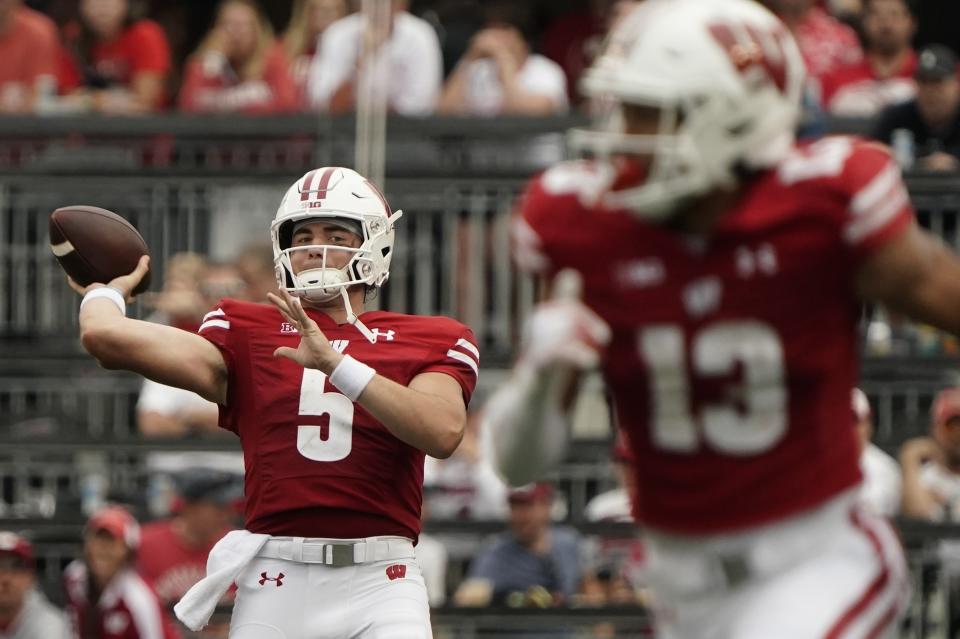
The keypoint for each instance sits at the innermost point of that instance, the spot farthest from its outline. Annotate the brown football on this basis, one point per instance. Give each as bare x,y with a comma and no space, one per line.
96,245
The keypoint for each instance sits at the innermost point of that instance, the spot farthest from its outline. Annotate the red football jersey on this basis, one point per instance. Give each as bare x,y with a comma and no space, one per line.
857,90
733,355
317,464
127,608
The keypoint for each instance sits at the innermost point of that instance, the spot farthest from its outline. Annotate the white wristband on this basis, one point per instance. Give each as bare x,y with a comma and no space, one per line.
351,377
107,292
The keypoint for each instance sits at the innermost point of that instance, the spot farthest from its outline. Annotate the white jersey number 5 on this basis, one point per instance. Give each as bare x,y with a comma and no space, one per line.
332,441
750,416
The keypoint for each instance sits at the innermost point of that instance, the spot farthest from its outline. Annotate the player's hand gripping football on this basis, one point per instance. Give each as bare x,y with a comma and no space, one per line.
125,283
563,331
314,350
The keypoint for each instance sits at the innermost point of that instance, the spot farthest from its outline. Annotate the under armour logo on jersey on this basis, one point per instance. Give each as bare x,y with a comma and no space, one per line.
641,273
264,579
286,328
387,335
702,296
396,571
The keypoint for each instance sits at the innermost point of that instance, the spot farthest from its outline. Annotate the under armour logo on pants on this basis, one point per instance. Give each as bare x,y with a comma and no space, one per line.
264,579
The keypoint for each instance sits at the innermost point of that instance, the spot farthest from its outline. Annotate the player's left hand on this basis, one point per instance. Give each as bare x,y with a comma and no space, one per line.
314,350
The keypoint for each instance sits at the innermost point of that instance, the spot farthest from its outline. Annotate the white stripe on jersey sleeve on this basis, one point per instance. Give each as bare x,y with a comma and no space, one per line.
527,248
143,607
464,344
217,313
466,359
874,193
883,213
214,324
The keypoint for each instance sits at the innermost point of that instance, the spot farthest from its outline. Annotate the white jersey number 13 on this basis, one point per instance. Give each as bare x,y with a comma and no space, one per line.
750,417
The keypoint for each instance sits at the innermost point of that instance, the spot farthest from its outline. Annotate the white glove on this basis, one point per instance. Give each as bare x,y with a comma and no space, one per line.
563,330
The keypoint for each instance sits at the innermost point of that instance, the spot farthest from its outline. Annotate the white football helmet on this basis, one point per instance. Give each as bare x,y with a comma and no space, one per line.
727,77
341,195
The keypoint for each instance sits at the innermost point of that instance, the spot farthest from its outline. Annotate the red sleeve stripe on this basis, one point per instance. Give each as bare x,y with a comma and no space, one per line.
214,324
527,251
864,225
217,313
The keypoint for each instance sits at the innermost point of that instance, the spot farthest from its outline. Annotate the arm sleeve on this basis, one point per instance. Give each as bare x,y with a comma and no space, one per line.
457,355
878,207
220,329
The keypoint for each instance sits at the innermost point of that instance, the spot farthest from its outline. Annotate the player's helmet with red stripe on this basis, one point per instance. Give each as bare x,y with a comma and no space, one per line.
340,195
726,77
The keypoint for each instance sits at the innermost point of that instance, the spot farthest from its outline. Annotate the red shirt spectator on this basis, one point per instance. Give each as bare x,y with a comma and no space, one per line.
211,84
239,67
28,49
825,42
885,75
106,598
109,51
310,18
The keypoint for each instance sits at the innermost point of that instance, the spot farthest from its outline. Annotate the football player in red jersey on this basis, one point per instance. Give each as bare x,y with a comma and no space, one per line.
335,409
722,269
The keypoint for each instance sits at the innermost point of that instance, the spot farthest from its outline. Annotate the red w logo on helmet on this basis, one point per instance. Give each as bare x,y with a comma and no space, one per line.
749,47
396,571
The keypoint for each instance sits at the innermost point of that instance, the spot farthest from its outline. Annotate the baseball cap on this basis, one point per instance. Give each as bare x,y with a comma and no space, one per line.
935,62
17,546
539,491
117,522
946,405
861,405
221,488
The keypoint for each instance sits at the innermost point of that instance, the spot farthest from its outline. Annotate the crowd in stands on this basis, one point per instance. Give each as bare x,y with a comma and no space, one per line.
478,58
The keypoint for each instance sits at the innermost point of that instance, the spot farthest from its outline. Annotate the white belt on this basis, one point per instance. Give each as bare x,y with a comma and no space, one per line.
337,552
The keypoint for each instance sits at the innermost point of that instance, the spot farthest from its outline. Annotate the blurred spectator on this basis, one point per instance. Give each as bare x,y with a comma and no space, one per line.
29,49
849,12
113,63
885,75
239,66
432,558
533,564
882,486
106,598
825,43
928,127
24,612
257,270
310,18
931,465
615,563
410,72
574,39
499,75
173,552
162,410
464,486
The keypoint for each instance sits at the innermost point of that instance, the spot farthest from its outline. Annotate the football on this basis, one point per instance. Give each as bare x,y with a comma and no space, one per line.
96,245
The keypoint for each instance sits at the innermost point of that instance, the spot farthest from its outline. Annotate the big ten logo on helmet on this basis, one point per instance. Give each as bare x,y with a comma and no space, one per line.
751,48
396,571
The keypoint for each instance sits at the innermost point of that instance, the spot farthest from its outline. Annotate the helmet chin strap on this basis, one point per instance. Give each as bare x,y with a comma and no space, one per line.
323,296
353,319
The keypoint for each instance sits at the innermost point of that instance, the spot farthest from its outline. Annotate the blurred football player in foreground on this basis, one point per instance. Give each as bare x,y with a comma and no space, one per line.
335,409
722,268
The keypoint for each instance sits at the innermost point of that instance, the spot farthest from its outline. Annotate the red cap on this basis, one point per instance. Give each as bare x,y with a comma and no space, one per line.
16,545
946,405
118,522
540,491
861,405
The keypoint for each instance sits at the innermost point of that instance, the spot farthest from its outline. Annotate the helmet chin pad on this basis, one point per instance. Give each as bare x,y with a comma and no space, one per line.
320,284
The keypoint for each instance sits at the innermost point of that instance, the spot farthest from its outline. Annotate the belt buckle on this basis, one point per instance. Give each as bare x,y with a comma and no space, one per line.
735,569
341,555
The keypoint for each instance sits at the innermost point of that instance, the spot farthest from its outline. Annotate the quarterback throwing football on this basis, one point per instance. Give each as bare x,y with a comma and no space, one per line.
335,409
